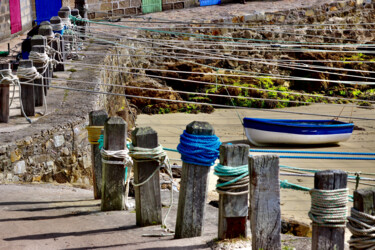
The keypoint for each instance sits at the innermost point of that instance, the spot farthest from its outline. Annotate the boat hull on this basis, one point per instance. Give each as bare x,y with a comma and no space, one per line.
262,132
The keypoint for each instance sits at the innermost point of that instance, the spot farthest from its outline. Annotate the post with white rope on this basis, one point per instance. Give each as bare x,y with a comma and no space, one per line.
265,213
113,179
47,32
27,94
58,44
97,119
329,209
361,222
233,195
4,95
146,179
197,158
42,69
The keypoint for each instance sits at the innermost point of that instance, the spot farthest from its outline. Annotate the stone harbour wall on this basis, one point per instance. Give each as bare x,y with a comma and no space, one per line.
61,154
4,19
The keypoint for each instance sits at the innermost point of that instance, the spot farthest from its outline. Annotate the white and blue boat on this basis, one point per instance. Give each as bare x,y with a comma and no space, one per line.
261,132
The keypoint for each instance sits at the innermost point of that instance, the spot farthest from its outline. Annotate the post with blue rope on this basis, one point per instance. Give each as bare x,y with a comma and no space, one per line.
4,96
58,44
199,148
233,189
265,213
113,179
97,119
328,212
147,195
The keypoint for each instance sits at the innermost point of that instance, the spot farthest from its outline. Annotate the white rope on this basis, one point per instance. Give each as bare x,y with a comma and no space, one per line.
328,207
57,26
8,78
362,227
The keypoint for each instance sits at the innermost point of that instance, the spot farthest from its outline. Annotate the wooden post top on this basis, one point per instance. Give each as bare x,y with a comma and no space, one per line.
45,23
45,30
364,200
65,8
38,40
330,179
63,14
234,155
145,137
200,128
75,12
97,117
114,133
55,20
39,48
26,64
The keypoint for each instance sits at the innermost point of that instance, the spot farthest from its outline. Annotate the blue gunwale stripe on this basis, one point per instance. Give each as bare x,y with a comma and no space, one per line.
305,127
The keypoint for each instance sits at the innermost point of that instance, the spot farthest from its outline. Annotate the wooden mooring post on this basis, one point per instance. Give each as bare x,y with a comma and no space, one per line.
39,40
38,91
47,32
56,20
27,91
193,190
81,6
64,38
147,196
324,238
97,118
233,209
265,215
113,179
4,97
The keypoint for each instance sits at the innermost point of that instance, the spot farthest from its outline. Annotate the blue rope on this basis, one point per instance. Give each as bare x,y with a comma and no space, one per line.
327,157
308,152
240,172
200,150
101,143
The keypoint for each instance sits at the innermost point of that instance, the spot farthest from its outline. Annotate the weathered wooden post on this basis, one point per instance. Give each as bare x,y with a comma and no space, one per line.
265,215
193,190
325,236
39,40
361,225
81,5
64,15
113,181
58,27
233,209
38,91
27,91
47,32
147,196
4,96
97,119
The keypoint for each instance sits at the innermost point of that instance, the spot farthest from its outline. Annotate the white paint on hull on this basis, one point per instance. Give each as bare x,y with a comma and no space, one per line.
260,138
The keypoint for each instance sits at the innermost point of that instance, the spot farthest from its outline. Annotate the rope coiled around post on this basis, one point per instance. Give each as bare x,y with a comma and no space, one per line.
94,133
231,178
328,207
362,227
7,77
200,150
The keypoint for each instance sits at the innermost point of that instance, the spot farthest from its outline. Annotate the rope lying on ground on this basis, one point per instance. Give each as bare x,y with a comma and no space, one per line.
328,207
231,178
200,150
362,227
8,78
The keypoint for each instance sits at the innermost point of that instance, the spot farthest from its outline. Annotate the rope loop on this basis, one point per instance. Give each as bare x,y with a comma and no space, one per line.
328,207
231,178
362,227
122,155
200,150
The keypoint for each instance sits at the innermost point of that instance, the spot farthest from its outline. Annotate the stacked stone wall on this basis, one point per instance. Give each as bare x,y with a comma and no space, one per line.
4,19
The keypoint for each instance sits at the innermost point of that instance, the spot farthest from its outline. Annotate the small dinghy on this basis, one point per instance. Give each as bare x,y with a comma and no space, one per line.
262,132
